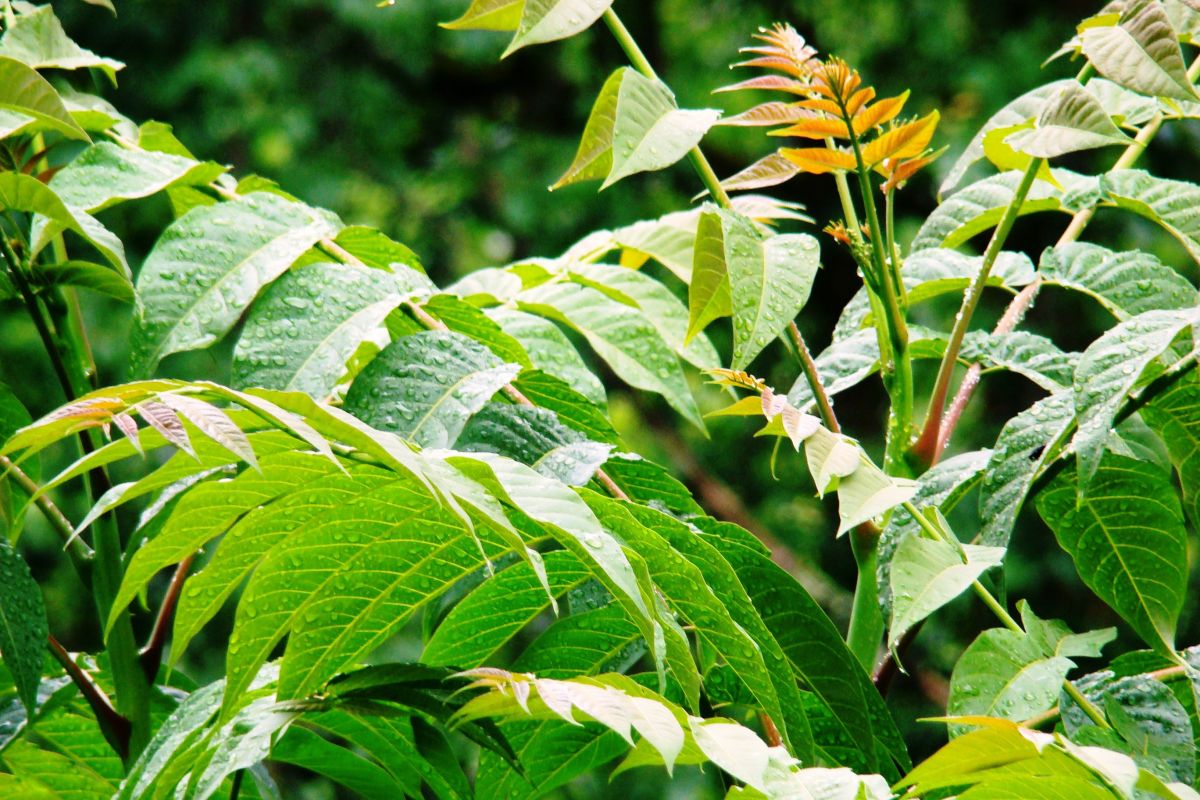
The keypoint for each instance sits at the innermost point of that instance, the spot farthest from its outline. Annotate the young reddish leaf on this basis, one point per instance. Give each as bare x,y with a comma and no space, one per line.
877,114
167,422
768,83
906,141
818,160
769,171
859,99
820,104
775,113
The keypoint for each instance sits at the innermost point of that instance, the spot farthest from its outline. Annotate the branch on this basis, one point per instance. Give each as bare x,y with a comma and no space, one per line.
926,446
150,656
116,728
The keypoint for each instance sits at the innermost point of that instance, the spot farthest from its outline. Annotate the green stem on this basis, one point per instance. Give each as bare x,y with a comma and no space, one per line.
866,620
900,383
927,445
1005,618
132,690
893,251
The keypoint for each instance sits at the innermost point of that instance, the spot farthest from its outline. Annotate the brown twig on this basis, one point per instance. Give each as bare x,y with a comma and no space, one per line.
813,376
151,655
116,728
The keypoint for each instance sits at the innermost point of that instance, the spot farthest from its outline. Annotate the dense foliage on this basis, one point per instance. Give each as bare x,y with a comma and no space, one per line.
446,572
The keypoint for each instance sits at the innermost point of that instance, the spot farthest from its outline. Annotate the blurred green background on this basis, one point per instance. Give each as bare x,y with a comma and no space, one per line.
390,121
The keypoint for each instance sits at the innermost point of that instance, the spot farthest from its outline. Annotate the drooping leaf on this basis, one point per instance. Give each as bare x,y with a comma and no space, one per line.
816,651
1139,51
1128,542
621,336
1171,204
20,192
1071,121
927,574
301,334
650,131
594,159
84,275
709,296
549,20
1110,369
208,267
23,627
426,386
37,38
768,290
1125,283
26,92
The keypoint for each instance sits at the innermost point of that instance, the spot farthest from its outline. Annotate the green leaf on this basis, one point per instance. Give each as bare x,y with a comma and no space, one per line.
208,510
1140,52
709,294
104,175
650,132
26,92
13,417
650,484
978,207
1175,417
1023,448
816,650
1071,121
304,330
1024,108
713,571
624,338
550,350
1171,204
1005,674
1128,542
61,775
1027,354
1126,283
492,614
1113,366
426,386
37,38
594,159
374,249
668,315
462,317
943,486
535,437
489,15
1054,638
573,409
550,20
932,273
23,627
85,275
25,193
928,574
310,751
769,289
208,267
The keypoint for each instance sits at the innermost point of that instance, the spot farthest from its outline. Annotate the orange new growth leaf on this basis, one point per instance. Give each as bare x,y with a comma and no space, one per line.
899,172
784,42
879,113
767,82
859,99
820,104
819,160
905,141
815,128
